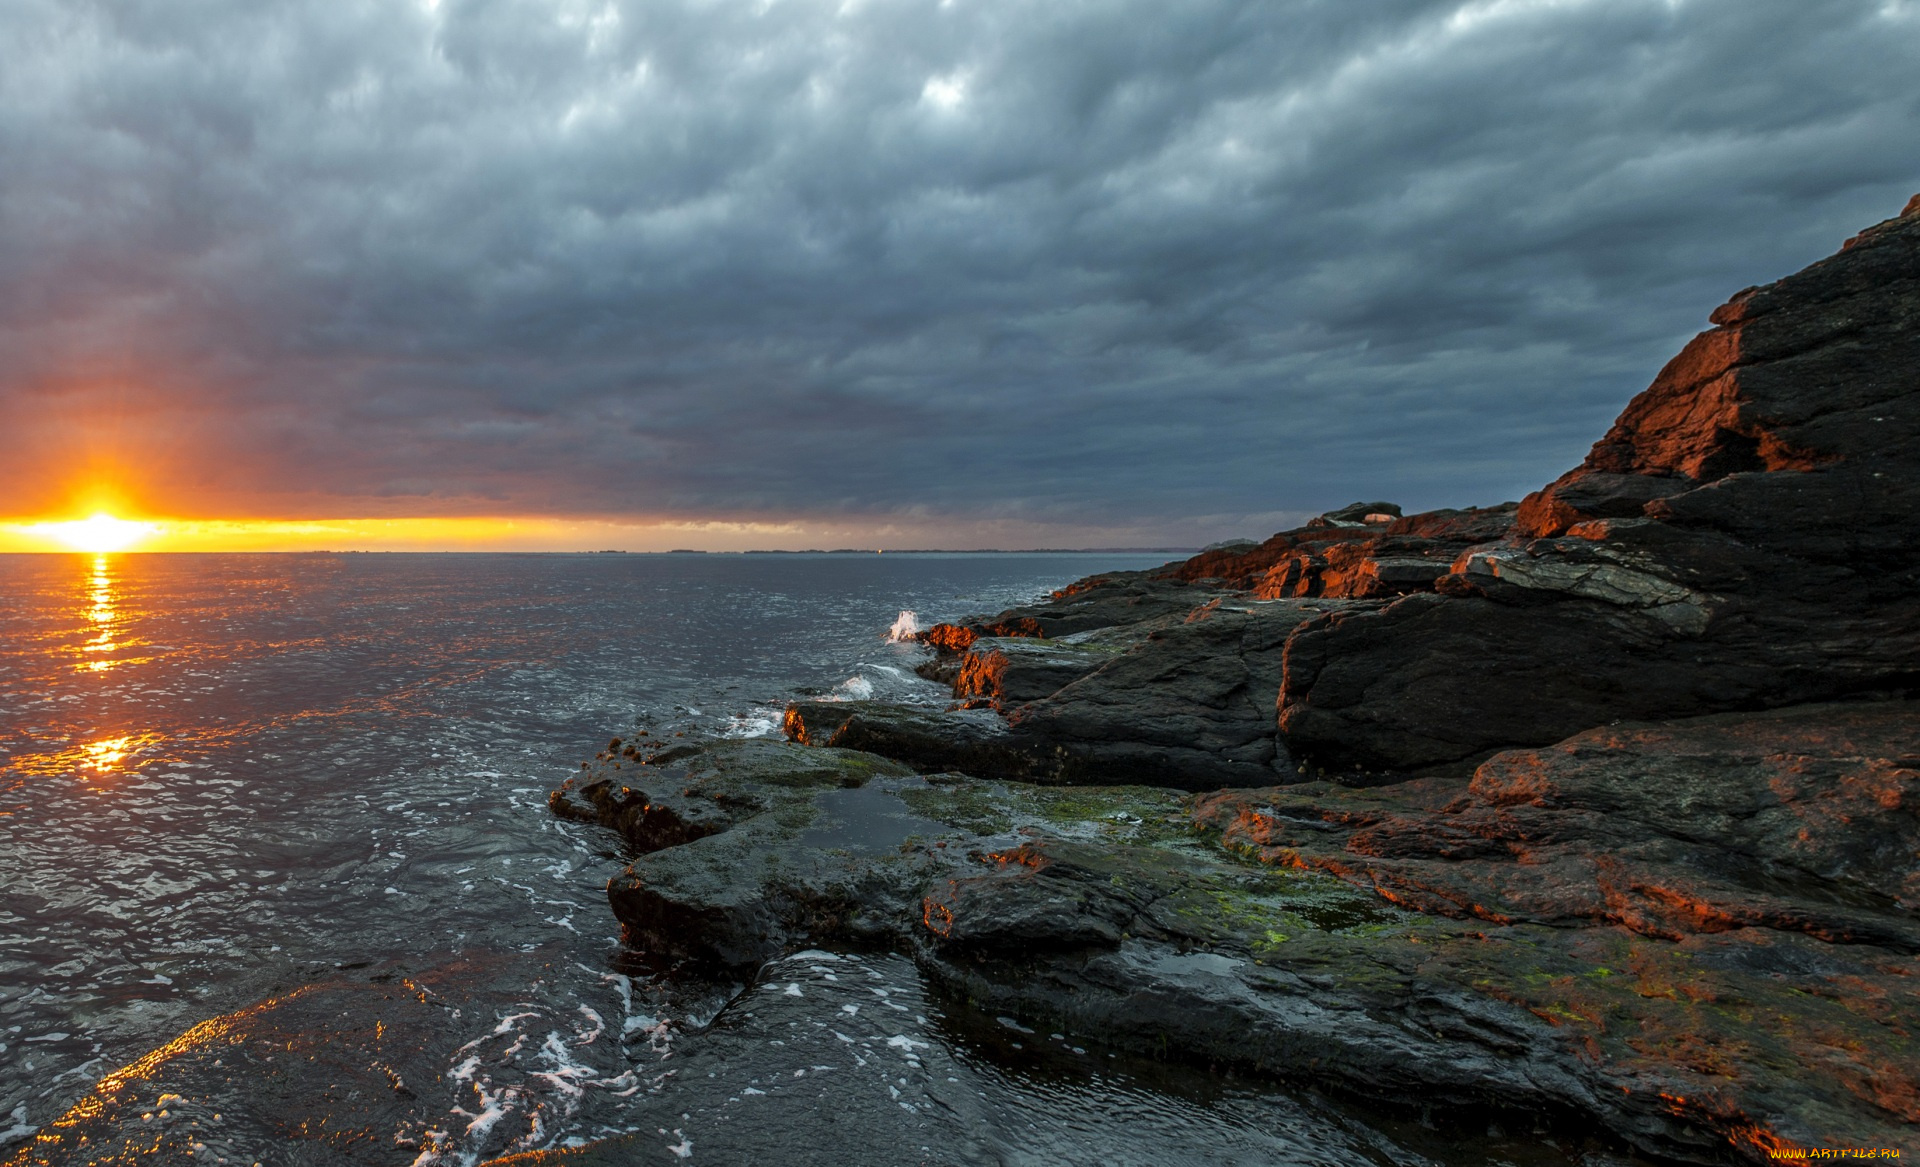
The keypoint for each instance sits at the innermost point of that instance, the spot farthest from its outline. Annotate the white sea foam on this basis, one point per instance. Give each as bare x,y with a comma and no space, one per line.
853,689
544,1086
743,725
905,626
599,1025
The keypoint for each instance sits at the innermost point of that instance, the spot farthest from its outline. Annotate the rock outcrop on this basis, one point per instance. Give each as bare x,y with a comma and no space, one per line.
1353,558
1698,936
1182,699
1741,539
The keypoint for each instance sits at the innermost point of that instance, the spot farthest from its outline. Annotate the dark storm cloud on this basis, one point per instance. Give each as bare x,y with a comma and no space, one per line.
1083,263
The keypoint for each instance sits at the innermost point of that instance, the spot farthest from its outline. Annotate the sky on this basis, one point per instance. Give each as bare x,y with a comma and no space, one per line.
887,273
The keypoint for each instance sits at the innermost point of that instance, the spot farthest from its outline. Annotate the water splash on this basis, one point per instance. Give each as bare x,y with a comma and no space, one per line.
855,688
905,627
757,724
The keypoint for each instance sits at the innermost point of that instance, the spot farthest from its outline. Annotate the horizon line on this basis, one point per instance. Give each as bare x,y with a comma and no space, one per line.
619,551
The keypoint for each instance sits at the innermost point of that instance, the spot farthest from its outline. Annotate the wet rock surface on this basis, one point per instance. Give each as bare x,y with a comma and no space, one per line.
1727,904
1652,930
829,1048
978,741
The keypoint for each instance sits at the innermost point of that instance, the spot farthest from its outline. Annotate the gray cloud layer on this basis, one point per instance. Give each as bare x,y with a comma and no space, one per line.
1085,263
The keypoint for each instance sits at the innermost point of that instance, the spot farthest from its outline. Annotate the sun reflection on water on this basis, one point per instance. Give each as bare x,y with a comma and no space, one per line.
103,627
101,614
106,755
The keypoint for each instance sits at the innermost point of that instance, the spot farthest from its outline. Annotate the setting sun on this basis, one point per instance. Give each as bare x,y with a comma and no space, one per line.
99,532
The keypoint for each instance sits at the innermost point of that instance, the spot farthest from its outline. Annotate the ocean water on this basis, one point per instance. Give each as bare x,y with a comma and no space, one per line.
224,776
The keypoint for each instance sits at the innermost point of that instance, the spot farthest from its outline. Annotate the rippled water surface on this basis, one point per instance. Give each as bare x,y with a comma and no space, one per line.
226,776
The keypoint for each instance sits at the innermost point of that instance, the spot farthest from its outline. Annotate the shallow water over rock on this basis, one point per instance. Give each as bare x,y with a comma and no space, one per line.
869,818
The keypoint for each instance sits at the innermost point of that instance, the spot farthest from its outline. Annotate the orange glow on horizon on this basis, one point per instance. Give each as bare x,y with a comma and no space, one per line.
132,527
103,532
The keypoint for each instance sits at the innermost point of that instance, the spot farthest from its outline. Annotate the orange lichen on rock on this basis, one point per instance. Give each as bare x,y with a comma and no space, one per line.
937,917
1026,855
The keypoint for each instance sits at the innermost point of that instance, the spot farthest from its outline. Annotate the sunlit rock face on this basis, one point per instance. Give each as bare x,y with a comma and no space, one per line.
1741,538
1377,553
1792,425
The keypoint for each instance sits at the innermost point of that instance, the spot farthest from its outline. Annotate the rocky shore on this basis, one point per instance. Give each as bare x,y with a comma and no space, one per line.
1603,805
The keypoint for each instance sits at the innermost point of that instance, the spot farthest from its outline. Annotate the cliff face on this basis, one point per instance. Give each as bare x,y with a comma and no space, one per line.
1740,539
1792,425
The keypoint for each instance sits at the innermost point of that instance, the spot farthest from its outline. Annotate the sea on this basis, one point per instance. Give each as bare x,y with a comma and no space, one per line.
222,776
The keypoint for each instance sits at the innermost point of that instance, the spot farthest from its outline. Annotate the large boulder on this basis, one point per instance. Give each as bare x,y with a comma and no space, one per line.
1191,705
